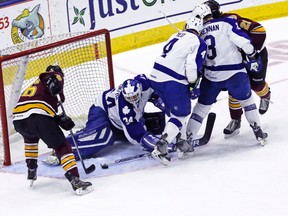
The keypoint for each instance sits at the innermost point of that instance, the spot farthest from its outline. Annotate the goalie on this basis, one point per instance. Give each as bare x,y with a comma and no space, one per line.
118,114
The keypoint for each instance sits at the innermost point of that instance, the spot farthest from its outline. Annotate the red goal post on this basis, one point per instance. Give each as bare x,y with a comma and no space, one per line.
86,60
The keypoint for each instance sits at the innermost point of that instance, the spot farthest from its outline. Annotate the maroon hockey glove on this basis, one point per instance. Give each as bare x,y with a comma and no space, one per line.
64,122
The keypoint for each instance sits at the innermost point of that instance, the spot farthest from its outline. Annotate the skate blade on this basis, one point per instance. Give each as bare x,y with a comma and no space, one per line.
262,142
31,183
81,191
236,132
163,160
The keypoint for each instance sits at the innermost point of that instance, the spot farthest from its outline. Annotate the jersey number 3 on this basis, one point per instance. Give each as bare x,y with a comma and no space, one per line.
210,41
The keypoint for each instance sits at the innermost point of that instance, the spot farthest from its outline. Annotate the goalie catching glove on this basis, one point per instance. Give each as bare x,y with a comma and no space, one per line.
64,121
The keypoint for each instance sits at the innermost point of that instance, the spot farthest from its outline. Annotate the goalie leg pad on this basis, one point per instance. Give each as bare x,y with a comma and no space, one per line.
91,141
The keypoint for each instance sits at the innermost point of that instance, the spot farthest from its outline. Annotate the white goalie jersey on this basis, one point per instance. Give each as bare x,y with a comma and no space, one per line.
124,115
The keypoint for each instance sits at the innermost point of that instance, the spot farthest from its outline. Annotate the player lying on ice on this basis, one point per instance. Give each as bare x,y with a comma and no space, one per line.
119,113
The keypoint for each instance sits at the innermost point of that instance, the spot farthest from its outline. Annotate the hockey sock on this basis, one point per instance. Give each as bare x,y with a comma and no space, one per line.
235,108
262,91
67,159
31,151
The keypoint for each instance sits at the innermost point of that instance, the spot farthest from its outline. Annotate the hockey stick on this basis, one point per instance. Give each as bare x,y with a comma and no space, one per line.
92,167
208,131
174,26
196,143
106,165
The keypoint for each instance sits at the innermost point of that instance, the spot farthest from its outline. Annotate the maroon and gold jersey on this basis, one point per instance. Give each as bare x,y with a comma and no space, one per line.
254,29
36,99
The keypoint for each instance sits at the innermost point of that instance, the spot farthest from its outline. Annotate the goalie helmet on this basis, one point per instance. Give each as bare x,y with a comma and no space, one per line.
214,7
55,68
131,90
194,23
201,11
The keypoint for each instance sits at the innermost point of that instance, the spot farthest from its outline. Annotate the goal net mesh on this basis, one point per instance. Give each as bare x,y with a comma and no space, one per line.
85,59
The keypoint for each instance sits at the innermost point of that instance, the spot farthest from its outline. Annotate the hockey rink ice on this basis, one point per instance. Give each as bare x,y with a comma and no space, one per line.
227,177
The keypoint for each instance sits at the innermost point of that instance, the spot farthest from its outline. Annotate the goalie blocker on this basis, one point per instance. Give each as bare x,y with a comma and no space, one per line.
92,140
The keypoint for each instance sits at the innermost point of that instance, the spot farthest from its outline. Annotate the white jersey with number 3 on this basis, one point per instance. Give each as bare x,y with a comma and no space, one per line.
224,38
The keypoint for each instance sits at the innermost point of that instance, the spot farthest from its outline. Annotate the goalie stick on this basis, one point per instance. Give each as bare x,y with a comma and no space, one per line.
196,143
106,165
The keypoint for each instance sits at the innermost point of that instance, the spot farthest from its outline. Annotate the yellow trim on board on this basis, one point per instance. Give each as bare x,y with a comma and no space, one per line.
138,40
160,34
265,12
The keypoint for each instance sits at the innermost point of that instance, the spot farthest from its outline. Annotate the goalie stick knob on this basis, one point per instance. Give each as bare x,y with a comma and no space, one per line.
104,166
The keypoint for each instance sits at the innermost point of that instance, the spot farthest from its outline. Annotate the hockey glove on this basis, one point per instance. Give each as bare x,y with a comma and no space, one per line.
194,93
254,63
160,104
194,89
148,141
64,122
53,84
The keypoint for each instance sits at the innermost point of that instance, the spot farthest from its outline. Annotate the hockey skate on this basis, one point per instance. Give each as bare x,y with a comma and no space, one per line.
160,152
232,129
79,186
264,104
259,134
32,176
184,147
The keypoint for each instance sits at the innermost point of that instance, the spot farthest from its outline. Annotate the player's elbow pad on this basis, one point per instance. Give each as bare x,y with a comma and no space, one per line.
248,48
191,74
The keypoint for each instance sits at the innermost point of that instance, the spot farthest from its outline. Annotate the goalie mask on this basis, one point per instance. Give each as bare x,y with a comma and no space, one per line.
131,90
55,68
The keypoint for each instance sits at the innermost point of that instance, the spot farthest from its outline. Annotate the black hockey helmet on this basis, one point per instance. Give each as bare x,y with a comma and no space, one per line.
55,68
215,8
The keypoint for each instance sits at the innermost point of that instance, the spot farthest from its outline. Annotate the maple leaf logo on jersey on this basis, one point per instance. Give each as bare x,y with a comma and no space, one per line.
126,110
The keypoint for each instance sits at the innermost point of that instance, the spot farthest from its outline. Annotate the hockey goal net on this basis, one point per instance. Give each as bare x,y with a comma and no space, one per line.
85,59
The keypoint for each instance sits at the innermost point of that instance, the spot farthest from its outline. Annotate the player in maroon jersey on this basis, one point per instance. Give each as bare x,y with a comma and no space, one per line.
35,117
257,34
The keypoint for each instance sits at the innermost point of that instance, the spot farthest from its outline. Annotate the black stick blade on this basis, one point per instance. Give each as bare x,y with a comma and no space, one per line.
90,169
